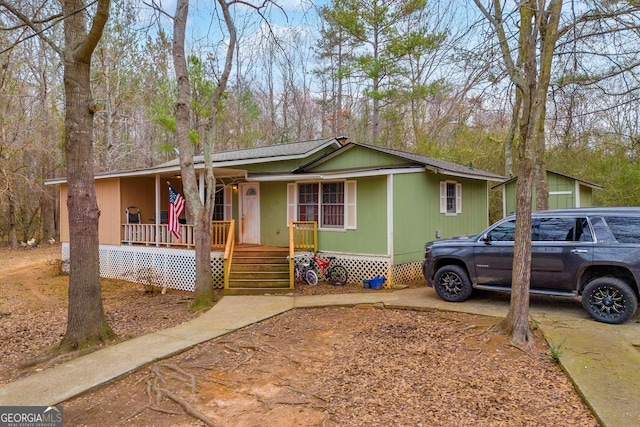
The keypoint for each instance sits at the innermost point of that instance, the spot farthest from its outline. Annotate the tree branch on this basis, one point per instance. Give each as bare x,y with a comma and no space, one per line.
33,25
95,33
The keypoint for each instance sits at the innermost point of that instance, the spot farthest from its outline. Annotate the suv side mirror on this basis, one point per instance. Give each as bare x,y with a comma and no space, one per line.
486,237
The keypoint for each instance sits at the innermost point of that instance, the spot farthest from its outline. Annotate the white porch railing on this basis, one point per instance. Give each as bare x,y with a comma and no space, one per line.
156,235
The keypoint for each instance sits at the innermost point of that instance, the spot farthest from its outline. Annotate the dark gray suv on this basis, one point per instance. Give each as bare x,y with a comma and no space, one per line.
588,252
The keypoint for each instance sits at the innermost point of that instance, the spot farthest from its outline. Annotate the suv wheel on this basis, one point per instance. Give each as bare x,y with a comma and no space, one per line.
609,300
452,283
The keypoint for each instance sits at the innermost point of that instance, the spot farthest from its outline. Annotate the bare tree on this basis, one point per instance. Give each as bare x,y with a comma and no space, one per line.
530,72
201,210
87,324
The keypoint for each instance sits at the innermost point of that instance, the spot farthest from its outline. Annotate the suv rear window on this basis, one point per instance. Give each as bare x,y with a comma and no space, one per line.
561,230
625,229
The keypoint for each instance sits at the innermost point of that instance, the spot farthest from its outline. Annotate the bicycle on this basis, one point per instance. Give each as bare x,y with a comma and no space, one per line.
329,270
302,270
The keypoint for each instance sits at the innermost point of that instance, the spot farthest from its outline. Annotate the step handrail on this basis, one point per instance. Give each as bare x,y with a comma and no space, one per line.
292,251
228,252
303,235
220,234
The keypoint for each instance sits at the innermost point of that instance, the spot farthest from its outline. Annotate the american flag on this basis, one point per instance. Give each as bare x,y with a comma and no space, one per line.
176,206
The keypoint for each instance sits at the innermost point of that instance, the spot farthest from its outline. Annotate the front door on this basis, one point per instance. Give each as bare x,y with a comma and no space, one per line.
250,212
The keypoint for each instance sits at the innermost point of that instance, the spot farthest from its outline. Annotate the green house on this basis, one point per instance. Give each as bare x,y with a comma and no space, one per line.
564,192
374,208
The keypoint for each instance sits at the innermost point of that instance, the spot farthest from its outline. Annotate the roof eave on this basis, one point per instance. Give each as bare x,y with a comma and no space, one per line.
199,164
381,171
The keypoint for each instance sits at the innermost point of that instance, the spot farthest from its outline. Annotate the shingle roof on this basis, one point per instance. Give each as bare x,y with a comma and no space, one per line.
583,182
428,162
302,149
434,163
291,149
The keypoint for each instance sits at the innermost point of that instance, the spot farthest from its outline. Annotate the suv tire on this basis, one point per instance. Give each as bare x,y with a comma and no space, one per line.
609,300
452,283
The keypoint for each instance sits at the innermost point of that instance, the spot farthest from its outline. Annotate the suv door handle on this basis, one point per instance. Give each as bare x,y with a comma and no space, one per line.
579,251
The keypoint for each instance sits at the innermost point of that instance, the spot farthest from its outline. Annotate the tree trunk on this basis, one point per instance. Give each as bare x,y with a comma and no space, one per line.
540,174
533,86
339,125
48,214
540,171
201,211
517,320
87,324
511,136
530,73
13,236
375,114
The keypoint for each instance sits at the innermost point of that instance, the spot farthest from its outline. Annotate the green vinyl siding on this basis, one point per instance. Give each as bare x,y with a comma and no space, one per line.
586,196
370,236
510,196
558,201
416,212
358,158
560,184
273,214
564,188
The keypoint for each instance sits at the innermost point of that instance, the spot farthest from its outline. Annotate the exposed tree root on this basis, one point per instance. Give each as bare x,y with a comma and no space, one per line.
156,390
187,407
245,361
54,357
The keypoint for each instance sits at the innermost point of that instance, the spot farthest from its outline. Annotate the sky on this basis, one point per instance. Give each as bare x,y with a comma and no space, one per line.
287,12
207,35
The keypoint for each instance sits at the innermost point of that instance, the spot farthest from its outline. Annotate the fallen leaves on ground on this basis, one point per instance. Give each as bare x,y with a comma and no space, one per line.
327,367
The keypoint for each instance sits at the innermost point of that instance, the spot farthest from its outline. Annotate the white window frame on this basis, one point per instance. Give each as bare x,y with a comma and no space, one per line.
227,201
444,197
350,203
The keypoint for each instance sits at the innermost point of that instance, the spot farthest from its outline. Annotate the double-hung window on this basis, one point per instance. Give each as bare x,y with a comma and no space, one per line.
218,204
308,202
330,204
221,203
450,198
322,202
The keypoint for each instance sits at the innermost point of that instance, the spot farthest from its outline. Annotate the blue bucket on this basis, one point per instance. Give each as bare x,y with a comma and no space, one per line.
376,282
366,283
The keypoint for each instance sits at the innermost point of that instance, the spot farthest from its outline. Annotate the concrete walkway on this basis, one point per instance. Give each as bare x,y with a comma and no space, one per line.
600,359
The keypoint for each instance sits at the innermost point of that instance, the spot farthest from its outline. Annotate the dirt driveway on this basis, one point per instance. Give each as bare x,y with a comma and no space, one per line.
323,367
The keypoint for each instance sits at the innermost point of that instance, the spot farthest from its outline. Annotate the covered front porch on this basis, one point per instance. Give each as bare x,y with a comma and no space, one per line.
160,264
153,256
158,235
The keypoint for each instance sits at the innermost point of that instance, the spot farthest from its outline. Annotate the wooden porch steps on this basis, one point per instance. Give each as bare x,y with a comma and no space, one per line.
259,270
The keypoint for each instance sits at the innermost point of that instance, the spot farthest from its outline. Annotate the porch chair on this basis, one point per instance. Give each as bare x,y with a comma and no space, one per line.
133,215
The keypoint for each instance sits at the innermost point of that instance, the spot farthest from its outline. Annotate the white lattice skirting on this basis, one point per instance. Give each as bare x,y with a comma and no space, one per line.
175,268
171,268
362,267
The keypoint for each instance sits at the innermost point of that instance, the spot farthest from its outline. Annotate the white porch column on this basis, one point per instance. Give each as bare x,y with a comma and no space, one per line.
390,216
157,210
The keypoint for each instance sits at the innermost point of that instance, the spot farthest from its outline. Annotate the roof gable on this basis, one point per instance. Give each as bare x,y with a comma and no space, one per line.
357,156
